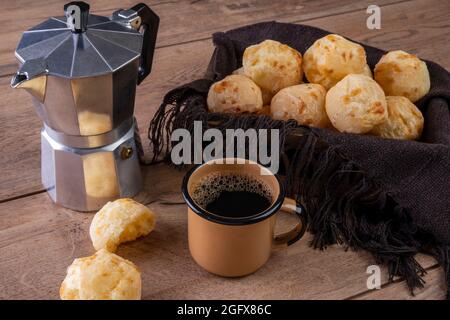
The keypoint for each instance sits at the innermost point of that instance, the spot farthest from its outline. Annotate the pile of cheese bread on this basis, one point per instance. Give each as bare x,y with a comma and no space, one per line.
341,93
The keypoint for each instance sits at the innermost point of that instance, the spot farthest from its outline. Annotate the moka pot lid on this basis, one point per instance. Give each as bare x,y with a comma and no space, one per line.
81,44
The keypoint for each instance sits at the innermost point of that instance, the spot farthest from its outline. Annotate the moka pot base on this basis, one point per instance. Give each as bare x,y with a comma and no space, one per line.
84,172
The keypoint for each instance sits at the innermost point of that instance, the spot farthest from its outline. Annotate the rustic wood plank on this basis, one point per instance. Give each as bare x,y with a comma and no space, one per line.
178,64
181,21
39,240
434,289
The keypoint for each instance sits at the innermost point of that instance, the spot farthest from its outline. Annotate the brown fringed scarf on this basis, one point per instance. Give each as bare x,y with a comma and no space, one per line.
389,197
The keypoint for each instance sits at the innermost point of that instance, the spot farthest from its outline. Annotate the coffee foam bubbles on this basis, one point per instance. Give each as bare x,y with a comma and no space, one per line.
211,186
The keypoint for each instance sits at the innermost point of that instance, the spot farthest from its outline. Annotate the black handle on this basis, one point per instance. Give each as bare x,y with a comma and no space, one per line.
294,207
301,214
150,24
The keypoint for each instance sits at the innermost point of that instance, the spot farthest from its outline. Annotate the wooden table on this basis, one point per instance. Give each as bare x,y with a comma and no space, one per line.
38,239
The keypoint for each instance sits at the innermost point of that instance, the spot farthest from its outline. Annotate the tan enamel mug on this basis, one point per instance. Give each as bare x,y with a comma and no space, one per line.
237,246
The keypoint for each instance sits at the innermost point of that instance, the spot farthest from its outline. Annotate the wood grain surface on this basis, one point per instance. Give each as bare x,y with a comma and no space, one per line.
38,240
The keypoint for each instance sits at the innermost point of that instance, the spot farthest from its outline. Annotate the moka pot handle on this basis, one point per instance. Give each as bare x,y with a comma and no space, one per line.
149,26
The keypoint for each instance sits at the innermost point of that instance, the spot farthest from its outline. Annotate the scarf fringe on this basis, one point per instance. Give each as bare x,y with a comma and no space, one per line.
344,205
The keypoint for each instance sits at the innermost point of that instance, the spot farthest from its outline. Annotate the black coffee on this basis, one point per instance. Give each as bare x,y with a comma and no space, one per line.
232,195
238,204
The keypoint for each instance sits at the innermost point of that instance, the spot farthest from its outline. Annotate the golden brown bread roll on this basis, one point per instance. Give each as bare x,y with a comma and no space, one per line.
356,104
234,94
273,66
120,221
405,121
331,58
103,276
402,74
304,103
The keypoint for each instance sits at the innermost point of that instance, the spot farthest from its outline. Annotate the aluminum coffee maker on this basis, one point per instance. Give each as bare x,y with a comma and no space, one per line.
82,71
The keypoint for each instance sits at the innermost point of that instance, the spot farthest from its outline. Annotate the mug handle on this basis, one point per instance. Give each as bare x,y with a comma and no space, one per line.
292,236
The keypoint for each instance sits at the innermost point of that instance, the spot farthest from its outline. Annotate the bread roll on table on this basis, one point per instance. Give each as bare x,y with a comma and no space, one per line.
103,276
120,221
